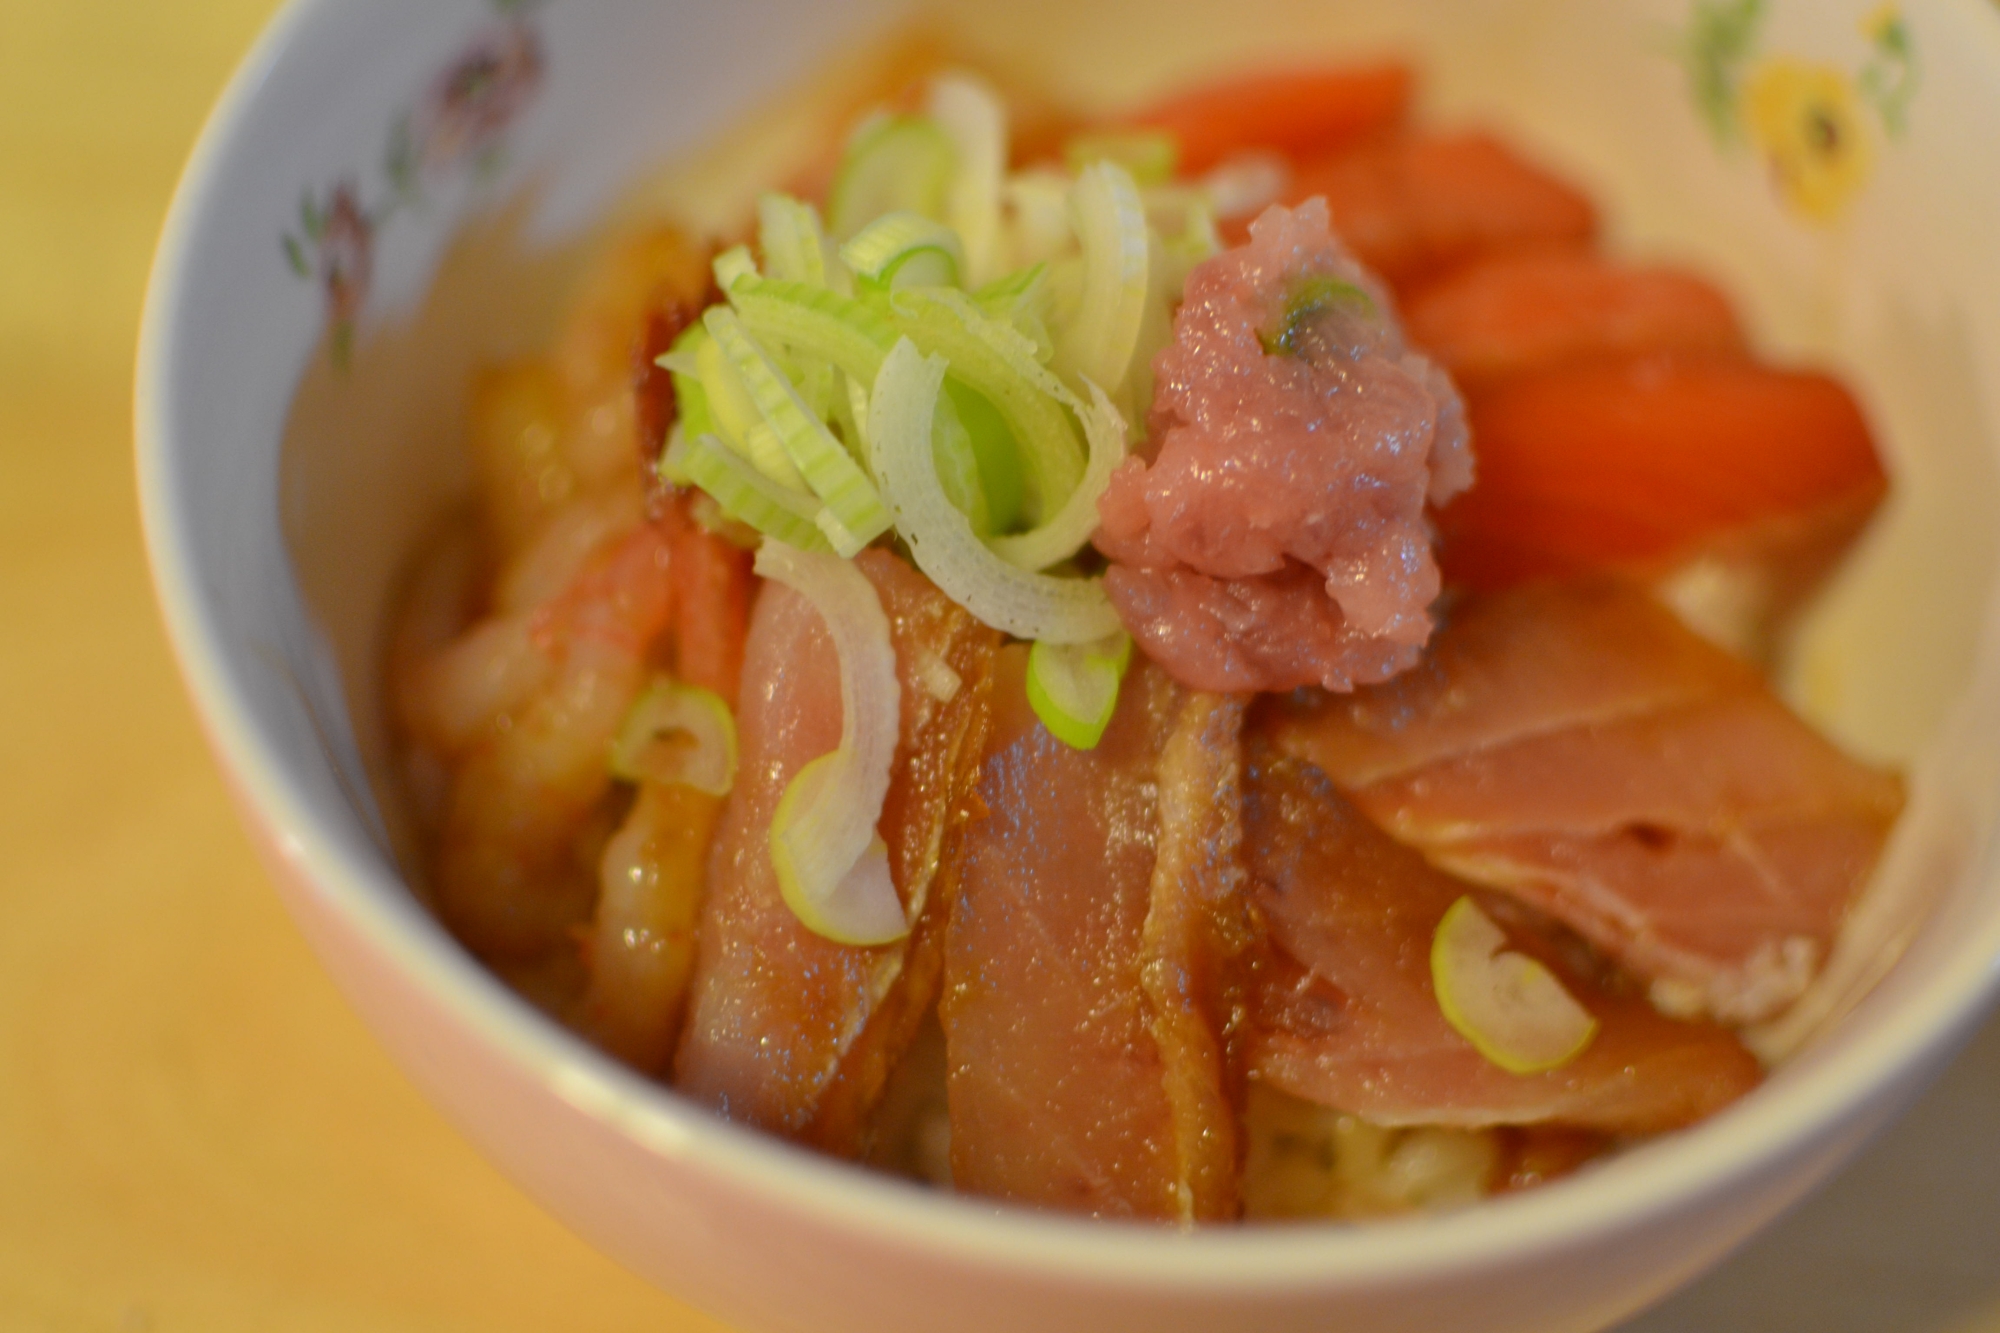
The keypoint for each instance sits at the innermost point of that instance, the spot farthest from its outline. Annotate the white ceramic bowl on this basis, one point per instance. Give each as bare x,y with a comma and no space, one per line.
282,493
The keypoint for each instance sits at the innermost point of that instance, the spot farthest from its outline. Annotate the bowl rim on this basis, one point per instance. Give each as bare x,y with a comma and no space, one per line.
1664,1177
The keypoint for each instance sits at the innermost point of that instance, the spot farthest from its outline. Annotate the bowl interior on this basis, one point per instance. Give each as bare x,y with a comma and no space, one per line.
339,390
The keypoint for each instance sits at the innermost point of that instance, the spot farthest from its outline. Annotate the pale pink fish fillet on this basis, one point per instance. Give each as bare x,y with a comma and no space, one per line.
1344,1013
787,1030
1084,1071
1578,748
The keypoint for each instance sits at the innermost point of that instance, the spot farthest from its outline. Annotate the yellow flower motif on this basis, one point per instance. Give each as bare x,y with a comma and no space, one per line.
1881,24
1807,120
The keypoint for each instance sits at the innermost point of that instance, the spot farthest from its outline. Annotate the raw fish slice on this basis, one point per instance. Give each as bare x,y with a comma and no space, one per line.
1198,934
1344,1012
1578,748
1088,950
1506,669
787,1030
1641,464
1301,113
1502,317
1412,205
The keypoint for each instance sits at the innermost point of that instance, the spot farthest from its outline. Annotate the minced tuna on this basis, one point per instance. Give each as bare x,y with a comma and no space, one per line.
1278,538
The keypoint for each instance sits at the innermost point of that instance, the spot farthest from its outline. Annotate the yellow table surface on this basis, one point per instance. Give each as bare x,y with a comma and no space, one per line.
195,1134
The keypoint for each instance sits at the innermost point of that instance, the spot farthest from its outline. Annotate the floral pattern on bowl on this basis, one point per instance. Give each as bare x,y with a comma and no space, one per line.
1808,120
459,126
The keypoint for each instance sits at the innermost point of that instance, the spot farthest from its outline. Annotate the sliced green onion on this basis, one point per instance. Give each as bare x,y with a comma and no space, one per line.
832,865
905,249
1073,688
993,448
1097,343
854,514
897,164
1038,204
1150,156
1508,1005
677,734
1070,527
1016,601
1021,299
957,466
744,493
738,422
794,246
1308,298
972,116
733,264
694,416
817,322
993,359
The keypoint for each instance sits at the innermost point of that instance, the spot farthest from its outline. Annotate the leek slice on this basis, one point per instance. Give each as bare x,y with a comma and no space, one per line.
679,734
1073,688
897,164
1110,223
1070,527
1151,157
744,493
904,249
854,513
1308,298
794,245
816,322
990,357
732,265
993,449
738,422
1038,207
832,865
957,463
1022,300
941,540
1508,1005
972,116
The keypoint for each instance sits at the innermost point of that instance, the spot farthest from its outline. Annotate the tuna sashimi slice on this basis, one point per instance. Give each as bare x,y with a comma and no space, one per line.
1088,972
1491,321
787,1030
1694,466
1578,748
1412,205
1344,1013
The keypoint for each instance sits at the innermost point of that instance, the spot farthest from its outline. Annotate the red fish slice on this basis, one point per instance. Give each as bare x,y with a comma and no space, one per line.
1639,464
1579,749
1501,317
1300,113
1412,205
1345,1014
1088,961
788,1030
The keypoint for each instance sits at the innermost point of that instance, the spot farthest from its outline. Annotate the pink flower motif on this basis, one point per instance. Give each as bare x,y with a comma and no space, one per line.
346,256
473,101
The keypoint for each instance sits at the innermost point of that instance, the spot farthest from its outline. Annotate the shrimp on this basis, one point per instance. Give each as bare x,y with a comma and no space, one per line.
639,952
527,812
658,271
640,949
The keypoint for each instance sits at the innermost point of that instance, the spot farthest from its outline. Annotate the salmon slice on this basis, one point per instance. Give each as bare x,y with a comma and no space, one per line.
1642,464
1087,1004
1344,1013
1579,749
787,1030
1412,205
1502,317
1300,113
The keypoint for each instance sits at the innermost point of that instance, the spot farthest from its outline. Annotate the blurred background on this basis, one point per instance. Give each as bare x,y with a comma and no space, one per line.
194,1133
